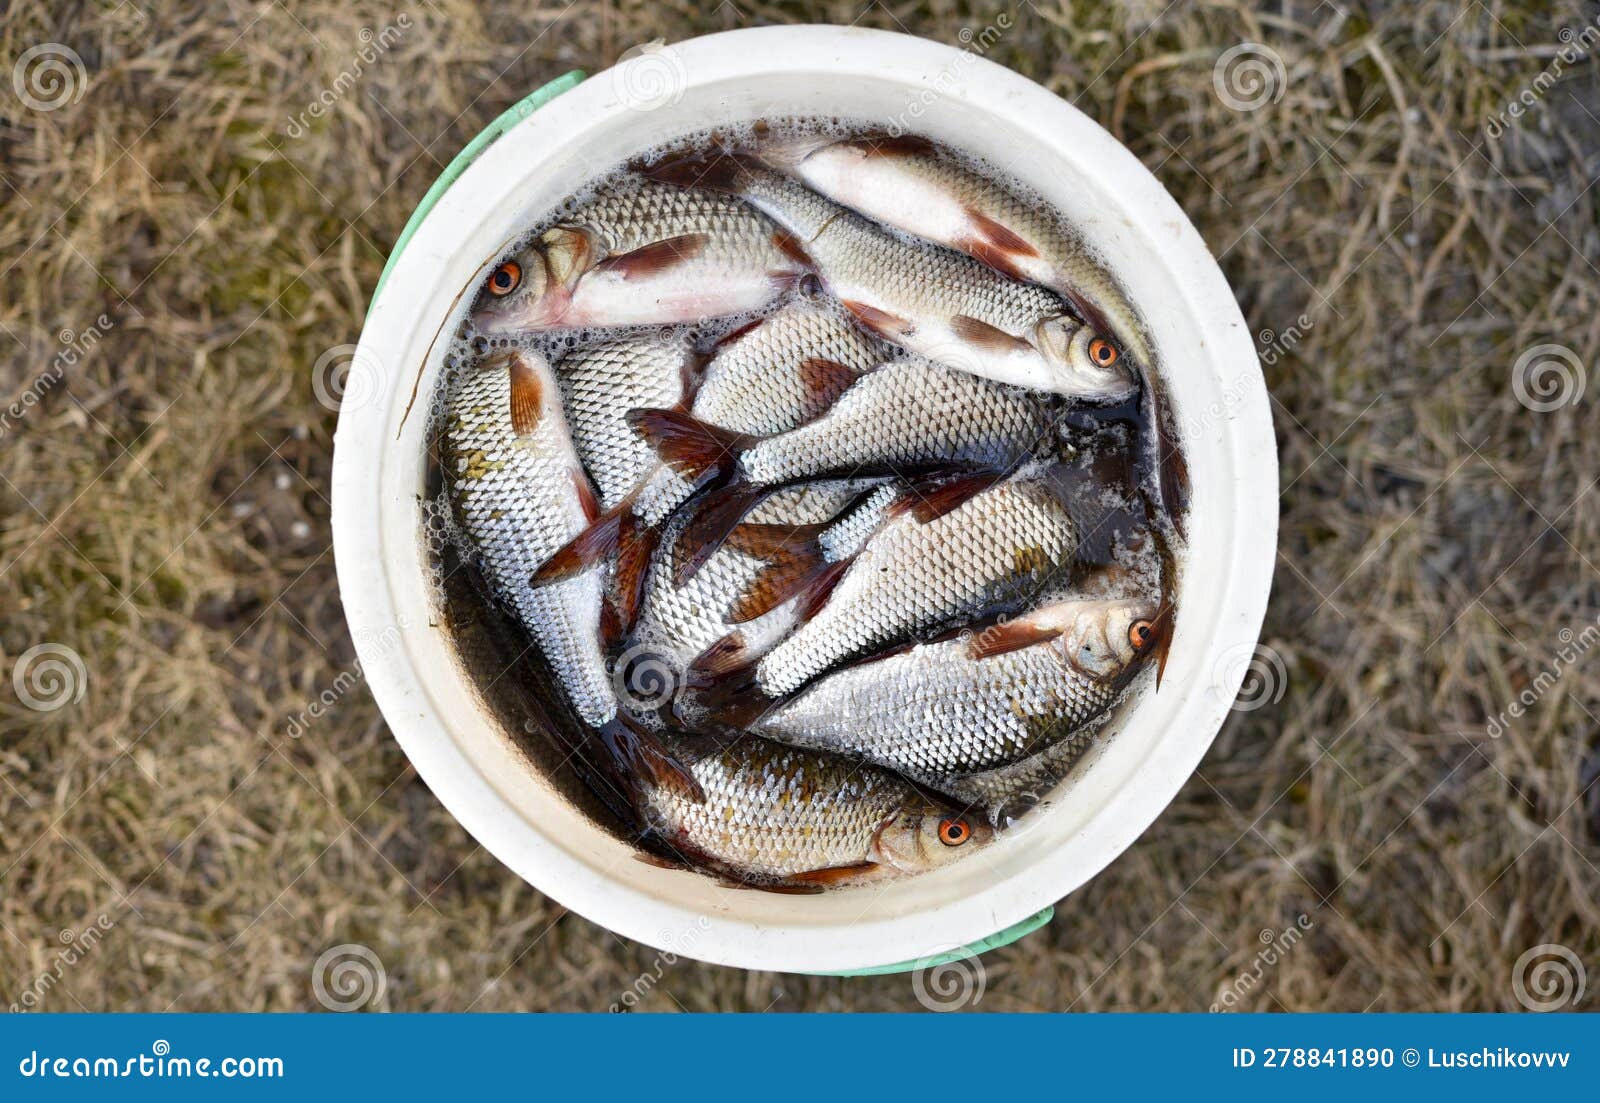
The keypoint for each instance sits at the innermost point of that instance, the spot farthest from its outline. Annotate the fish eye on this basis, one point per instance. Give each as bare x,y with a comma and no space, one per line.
1103,352
1140,633
953,831
505,279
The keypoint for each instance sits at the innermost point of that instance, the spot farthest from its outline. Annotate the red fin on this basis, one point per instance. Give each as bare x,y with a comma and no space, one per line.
768,541
611,630
719,512
999,639
985,335
992,255
835,875
586,498
1089,312
637,753
1163,629
655,258
824,381
1000,235
906,145
820,588
790,246
879,321
733,335
693,448
527,397
721,660
945,497
717,172
791,572
584,550
636,546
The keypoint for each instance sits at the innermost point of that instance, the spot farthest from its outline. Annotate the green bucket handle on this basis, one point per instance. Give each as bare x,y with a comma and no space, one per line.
504,122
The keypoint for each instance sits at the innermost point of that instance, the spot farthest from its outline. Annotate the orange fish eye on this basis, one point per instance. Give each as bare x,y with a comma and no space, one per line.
1140,633
953,831
505,279
1103,352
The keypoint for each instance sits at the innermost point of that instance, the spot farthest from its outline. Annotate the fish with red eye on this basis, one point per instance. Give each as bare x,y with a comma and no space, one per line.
641,254
505,279
953,831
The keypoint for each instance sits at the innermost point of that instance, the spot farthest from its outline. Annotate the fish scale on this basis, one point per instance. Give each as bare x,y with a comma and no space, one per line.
681,621
518,501
754,385
916,577
858,260
600,383
908,414
779,811
933,712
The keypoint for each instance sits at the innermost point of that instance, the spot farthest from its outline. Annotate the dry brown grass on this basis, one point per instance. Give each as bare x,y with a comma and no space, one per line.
166,516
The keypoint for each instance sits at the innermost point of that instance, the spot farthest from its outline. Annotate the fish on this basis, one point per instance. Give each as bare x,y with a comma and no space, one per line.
640,253
926,298
775,815
677,622
910,184
1001,548
518,490
761,378
909,416
978,701
600,383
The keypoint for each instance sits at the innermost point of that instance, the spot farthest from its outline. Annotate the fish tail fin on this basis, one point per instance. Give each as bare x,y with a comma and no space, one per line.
636,547
718,514
791,571
728,659
724,682
770,541
718,171
786,154
693,448
637,753
589,547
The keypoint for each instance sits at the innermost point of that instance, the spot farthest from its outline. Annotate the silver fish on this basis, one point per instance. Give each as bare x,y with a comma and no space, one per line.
779,815
910,415
768,377
1003,546
519,491
601,382
678,622
967,705
910,184
640,253
931,300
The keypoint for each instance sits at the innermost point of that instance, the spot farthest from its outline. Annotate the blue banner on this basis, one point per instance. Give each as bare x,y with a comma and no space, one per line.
799,1057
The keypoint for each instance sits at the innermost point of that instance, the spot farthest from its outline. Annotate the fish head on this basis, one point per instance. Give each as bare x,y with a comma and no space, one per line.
531,289
1081,361
925,835
1104,638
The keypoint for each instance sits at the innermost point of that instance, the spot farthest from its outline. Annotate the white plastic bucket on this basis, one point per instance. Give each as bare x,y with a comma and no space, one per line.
1213,382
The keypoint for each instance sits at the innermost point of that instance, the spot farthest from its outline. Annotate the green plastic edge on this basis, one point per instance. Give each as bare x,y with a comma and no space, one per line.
508,118
973,949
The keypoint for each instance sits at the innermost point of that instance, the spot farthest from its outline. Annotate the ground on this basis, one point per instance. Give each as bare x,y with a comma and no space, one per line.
1401,815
